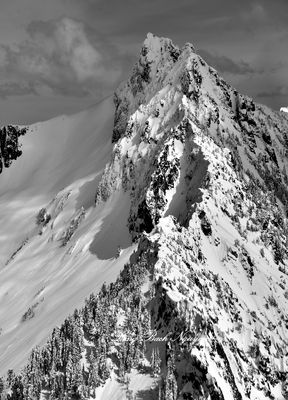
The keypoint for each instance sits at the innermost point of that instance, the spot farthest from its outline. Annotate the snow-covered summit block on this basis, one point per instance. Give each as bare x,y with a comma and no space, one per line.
160,54
153,45
284,109
156,52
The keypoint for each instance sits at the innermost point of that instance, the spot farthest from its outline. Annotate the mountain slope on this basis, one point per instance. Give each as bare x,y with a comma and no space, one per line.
218,166
45,271
197,174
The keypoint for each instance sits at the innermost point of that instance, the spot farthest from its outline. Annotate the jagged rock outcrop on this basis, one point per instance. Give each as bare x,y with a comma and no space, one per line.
9,145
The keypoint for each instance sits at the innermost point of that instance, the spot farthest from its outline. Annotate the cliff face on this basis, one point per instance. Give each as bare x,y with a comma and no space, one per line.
201,170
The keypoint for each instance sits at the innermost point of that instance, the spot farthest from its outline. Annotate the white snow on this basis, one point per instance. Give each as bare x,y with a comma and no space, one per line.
60,168
114,390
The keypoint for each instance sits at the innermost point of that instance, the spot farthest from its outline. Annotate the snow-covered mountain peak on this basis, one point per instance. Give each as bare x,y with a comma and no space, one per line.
154,46
163,67
169,101
206,169
195,181
284,109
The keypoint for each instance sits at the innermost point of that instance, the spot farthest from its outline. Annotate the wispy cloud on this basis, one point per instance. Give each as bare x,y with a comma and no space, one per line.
279,91
225,64
256,12
59,55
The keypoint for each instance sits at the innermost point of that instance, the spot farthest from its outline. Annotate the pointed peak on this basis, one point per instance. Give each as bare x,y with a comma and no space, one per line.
155,46
155,42
151,39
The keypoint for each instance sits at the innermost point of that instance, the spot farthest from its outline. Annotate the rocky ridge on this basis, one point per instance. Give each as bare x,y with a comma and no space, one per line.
210,164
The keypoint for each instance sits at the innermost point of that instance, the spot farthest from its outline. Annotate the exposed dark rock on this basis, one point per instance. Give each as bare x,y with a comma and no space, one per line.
230,376
267,138
145,219
9,144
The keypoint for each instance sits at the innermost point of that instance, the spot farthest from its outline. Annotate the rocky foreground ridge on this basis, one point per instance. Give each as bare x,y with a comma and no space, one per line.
200,310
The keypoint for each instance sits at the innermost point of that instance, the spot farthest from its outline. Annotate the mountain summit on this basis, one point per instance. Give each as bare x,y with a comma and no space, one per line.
186,194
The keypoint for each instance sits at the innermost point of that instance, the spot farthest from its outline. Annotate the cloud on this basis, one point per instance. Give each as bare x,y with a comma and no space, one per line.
8,89
255,13
3,57
64,43
279,91
59,55
226,65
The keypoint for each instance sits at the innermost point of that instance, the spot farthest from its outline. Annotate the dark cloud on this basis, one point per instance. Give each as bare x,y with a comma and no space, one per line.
181,16
226,64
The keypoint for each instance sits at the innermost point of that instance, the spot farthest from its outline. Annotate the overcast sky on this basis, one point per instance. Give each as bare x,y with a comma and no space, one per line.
60,56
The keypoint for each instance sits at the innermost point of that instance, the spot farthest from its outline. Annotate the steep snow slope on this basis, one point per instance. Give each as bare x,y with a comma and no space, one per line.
198,174
62,162
52,159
